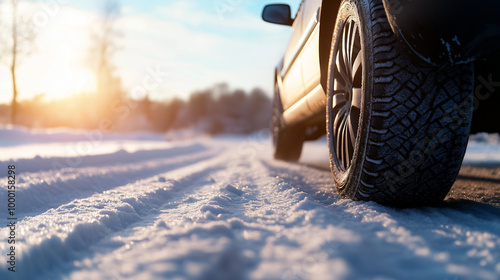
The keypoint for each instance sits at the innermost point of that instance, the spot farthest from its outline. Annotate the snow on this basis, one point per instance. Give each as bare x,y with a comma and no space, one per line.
483,148
135,206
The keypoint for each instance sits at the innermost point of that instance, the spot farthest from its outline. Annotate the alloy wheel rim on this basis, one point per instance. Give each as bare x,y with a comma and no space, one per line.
347,94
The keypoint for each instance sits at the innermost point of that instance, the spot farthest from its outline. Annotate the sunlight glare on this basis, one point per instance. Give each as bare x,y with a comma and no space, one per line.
68,80
67,70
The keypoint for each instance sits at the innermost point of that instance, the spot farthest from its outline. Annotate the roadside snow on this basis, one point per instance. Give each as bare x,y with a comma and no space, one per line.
138,207
483,148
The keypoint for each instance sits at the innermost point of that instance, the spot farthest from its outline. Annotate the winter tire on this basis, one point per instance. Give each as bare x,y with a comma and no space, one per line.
397,127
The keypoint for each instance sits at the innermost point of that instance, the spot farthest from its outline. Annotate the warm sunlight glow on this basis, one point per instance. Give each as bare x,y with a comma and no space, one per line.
68,80
66,73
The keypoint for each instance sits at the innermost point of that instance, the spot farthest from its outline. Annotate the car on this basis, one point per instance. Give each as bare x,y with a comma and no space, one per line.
393,84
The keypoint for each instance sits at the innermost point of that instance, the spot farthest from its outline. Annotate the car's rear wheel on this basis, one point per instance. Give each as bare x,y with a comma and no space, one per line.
287,141
397,128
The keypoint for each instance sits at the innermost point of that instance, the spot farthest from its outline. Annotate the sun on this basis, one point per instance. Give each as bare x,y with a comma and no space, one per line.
65,80
62,65
56,70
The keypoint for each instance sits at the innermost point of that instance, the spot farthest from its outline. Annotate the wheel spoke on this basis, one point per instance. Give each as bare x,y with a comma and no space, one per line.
341,66
340,118
338,128
346,71
339,100
339,140
338,86
353,127
356,98
356,66
342,143
344,47
346,146
353,42
349,45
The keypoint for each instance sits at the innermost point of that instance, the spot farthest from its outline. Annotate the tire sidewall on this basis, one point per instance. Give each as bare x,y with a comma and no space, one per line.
346,180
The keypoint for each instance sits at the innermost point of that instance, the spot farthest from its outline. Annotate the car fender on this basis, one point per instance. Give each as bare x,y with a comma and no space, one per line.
328,15
446,31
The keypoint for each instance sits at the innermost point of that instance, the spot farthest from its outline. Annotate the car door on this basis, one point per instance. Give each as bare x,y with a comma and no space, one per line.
292,81
311,74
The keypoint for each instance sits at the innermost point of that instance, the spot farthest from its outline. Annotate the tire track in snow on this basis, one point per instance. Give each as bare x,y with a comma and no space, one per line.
169,233
44,190
75,160
66,232
312,180
219,232
204,232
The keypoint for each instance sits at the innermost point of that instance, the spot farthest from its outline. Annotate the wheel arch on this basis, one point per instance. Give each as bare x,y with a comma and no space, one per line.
328,16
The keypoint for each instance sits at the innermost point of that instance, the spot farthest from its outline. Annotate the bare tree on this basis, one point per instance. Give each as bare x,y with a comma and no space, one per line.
18,41
105,45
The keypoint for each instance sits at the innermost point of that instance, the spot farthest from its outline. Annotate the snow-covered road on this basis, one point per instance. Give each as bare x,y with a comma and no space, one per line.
98,206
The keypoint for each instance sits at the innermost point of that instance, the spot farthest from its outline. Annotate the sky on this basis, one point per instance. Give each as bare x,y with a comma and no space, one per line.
190,44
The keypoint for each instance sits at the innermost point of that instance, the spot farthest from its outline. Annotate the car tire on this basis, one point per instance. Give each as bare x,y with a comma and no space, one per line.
287,141
397,127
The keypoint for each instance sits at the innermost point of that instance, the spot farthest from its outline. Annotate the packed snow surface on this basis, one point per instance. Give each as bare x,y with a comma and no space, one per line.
91,205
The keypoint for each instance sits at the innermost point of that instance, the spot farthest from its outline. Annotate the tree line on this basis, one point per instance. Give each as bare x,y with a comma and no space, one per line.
214,110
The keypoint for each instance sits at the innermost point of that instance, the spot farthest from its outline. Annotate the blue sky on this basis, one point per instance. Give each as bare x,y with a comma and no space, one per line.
197,42
252,6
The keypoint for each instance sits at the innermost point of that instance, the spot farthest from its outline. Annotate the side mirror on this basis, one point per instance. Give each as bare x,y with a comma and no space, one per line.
278,13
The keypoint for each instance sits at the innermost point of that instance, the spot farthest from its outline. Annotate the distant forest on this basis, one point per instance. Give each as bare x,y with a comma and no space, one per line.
213,111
